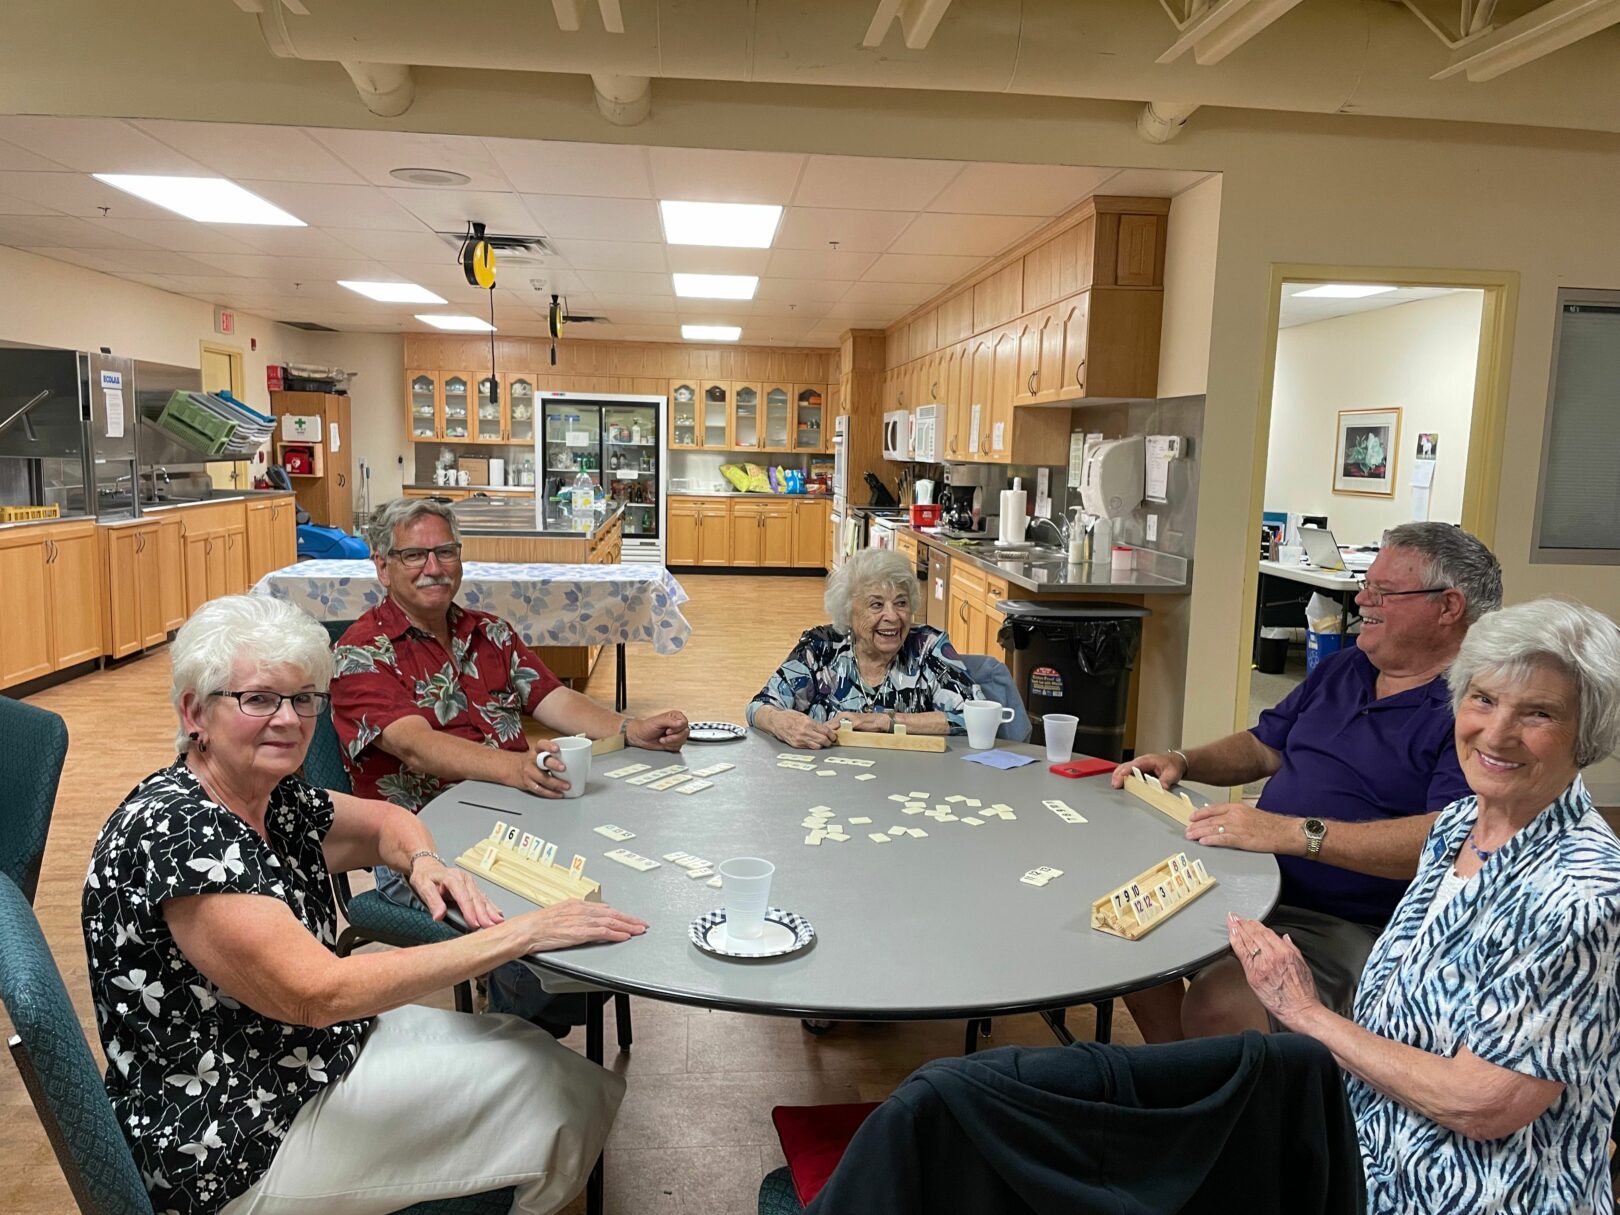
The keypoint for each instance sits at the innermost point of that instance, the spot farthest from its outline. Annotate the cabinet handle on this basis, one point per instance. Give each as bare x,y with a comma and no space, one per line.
208,547
49,555
961,610
140,543
1030,383
1080,373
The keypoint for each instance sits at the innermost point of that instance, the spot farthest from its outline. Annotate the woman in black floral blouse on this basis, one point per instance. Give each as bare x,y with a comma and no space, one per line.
252,1069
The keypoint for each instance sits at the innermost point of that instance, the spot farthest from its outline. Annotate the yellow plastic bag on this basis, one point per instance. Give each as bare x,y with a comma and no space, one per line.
759,481
734,474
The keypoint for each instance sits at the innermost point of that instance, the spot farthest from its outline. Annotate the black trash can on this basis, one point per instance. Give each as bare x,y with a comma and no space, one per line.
1075,658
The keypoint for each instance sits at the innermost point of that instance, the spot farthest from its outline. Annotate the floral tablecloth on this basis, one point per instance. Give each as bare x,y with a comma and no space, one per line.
547,604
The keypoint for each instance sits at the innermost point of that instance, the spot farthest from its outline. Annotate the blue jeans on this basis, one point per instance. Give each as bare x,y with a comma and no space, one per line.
513,988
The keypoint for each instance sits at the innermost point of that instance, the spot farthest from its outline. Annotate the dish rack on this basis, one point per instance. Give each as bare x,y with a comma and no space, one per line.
27,514
216,424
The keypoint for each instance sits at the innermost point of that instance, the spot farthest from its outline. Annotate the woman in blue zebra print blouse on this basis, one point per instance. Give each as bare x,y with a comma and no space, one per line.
1483,1067
870,667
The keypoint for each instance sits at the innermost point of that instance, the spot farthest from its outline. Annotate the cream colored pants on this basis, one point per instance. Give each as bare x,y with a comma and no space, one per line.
438,1105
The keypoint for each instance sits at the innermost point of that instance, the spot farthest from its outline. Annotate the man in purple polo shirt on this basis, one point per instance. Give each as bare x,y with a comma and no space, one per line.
1359,758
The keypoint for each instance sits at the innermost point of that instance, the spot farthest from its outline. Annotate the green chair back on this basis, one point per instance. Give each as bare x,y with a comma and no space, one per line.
59,1071
33,746
323,762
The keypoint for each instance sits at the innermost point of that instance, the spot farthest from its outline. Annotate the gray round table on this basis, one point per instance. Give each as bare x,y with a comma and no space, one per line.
914,929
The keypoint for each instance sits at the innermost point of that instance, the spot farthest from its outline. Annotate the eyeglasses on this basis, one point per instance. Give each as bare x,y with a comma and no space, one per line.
416,558
1376,597
268,704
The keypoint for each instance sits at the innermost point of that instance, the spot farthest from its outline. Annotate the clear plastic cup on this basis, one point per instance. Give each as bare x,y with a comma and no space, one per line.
1059,729
746,883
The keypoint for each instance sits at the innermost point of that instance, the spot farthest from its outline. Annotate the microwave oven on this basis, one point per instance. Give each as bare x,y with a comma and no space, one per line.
897,435
926,424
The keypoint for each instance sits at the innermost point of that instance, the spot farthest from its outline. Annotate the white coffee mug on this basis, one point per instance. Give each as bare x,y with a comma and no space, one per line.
463,477
575,755
984,718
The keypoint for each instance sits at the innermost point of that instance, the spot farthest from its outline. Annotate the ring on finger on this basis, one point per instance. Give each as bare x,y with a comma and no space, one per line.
1221,829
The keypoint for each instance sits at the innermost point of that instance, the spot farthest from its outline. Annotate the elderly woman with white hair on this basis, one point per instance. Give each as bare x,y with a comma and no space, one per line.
1483,1073
871,666
251,1068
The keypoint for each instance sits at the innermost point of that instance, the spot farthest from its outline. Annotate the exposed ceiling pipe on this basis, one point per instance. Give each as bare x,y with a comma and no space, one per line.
1162,121
623,100
1539,32
1217,32
386,88
918,21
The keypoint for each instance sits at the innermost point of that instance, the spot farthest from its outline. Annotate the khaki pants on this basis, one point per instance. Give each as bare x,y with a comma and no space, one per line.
439,1105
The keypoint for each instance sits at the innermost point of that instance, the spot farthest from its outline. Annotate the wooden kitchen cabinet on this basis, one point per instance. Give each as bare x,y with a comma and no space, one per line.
976,381
455,397
681,544
683,414
996,441
272,537
236,560
714,533
810,522
777,532
778,416
329,497
135,568
424,406
776,528
489,421
747,424
51,599
747,533
714,415
810,430
76,585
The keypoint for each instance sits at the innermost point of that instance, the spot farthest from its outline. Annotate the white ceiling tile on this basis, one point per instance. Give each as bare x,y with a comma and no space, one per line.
103,260
298,269
938,268
864,294
551,276
1002,189
373,154
451,210
323,205
1148,183
244,150
612,255
633,316
873,183
713,259
184,235
791,308
796,263
855,231
66,232
623,219
964,235
548,166
77,194
406,247
709,175
692,311
802,290
97,145
609,301
627,282
161,261
14,158
21,206
300,242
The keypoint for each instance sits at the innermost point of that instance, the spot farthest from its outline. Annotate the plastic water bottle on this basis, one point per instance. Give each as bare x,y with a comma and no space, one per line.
582,502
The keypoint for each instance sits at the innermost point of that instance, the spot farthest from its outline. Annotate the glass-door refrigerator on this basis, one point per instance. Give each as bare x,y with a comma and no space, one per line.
619,442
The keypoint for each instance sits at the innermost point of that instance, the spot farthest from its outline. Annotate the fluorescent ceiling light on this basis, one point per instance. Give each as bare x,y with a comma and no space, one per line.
392,293
461,324
711,333
717,286
1341,291
208,200
734,225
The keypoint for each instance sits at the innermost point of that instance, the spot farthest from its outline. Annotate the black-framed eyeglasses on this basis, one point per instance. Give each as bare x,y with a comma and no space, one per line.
1376,597
268,704
416,558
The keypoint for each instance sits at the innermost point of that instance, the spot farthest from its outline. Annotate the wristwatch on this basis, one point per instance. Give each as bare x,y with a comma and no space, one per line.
1315,832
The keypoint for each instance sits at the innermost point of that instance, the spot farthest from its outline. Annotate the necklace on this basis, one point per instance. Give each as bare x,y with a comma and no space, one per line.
1484,854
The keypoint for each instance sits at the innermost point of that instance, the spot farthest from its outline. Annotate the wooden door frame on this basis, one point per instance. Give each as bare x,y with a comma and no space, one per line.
1482,473
234,354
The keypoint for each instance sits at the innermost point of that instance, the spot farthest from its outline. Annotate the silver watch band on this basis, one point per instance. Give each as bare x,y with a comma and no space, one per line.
418,855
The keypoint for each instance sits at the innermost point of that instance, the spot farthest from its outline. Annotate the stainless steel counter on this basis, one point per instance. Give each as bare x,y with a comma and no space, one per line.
1047,570
489,517
149,509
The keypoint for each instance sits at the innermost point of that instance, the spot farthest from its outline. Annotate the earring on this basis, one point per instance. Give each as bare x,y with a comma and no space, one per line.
196,737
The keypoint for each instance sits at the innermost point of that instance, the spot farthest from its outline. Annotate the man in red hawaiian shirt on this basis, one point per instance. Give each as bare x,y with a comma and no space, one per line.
427,693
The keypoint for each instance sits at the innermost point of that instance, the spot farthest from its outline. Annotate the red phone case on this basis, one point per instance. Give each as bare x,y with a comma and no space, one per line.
1084,767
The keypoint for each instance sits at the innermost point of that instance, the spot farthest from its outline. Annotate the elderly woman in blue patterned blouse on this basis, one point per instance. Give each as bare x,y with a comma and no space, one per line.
871,666
1482,1060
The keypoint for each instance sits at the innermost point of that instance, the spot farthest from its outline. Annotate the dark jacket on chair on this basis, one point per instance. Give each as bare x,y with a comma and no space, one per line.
1249,1123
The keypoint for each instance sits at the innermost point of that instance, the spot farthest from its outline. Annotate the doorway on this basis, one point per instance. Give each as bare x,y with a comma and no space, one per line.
222,371
1383,400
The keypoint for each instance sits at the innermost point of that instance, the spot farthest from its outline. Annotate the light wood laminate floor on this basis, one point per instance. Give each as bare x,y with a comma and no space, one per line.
694,1134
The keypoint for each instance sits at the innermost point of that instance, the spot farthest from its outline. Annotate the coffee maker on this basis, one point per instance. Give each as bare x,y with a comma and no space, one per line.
968,505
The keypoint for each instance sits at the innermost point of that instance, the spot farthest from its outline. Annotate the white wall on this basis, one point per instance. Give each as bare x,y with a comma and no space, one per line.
1416,357
1189,289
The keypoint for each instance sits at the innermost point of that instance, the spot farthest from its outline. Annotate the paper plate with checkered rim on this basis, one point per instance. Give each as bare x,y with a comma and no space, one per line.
716,731
802,932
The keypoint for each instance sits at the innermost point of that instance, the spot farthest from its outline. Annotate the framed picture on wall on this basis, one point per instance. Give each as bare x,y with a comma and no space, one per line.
1364,459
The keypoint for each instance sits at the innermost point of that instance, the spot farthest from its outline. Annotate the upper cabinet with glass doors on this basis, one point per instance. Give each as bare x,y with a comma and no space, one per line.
778,417
683,414
809,417
422,404
489,426
457,404
714,407
745,420
520,408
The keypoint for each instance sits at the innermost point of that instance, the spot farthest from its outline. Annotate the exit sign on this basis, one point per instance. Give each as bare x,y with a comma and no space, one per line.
224,320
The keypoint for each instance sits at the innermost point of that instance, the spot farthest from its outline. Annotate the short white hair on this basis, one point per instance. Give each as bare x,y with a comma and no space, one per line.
882,568
1558,633
269,633
397,513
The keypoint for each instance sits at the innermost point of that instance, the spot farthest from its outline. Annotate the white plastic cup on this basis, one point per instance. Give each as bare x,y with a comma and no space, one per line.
746,884
575,754
1059,729
984,718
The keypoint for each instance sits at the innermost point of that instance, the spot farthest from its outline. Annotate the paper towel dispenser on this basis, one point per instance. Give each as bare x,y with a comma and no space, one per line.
1114,476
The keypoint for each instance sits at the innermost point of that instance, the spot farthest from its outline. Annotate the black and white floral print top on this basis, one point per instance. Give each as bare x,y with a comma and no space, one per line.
203,1086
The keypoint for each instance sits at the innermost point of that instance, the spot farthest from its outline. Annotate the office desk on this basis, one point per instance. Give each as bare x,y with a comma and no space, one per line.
1343,585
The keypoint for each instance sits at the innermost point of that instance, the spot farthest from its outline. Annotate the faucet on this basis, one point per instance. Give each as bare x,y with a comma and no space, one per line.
1059,529
154,471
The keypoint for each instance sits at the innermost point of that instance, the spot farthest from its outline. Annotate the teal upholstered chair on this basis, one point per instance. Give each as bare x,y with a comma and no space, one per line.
777,1195
996,682
33,746
60,1075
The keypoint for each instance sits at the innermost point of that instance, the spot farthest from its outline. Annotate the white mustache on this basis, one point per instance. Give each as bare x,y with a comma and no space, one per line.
427,580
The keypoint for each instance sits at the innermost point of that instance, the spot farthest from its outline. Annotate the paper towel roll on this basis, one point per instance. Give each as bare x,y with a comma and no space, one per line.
497,471
1013,520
